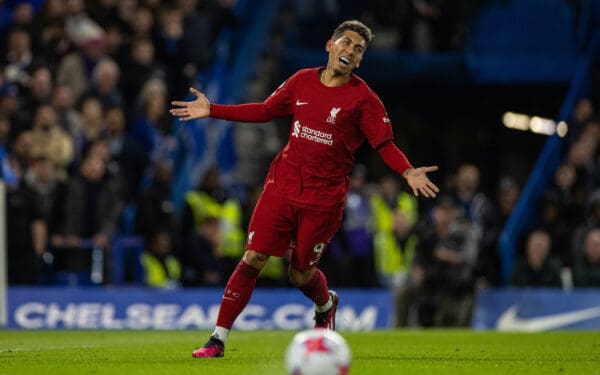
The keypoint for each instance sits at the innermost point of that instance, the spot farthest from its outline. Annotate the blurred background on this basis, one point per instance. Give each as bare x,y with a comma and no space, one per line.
103,189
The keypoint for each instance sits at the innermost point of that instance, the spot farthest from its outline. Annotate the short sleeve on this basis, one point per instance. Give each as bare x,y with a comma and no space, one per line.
374,121
280,102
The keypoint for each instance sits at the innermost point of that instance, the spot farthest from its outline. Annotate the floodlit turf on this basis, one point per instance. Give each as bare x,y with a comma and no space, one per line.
261,353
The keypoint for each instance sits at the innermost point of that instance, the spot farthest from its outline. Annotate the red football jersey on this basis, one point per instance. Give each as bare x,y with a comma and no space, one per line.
328,126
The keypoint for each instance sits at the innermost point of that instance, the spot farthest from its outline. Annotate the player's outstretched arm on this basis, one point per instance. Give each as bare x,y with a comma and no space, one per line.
415,177
196,109
419,182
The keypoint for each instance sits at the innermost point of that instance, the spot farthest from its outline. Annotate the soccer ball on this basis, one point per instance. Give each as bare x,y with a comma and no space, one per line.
318,352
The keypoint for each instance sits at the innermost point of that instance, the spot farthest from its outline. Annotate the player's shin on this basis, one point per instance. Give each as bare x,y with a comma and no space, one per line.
237,294
316,288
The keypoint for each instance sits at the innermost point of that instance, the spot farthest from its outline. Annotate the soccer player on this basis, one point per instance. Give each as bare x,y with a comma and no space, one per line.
304,193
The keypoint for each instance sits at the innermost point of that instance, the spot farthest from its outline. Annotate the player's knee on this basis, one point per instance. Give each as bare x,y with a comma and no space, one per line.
255,259
299,278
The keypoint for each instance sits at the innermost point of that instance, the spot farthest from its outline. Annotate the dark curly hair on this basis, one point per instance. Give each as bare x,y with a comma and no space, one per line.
353,25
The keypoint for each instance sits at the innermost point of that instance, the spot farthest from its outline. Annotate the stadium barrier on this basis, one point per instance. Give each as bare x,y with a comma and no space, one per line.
134,308
540,309
121,266
144,308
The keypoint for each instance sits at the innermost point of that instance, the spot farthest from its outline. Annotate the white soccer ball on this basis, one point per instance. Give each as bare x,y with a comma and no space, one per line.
318,352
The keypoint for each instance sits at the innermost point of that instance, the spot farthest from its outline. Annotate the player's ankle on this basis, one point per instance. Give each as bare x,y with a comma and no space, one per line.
326,306
221,334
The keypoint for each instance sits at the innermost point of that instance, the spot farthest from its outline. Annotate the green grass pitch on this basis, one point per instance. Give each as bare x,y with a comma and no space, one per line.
380,352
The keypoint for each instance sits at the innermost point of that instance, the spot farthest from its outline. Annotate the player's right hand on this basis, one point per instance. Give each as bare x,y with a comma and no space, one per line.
419,182
197,109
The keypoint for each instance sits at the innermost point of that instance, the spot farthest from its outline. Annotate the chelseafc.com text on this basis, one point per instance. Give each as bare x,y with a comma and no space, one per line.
95,315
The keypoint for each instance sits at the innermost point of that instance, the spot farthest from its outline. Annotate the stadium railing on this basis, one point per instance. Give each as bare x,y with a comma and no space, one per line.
119,264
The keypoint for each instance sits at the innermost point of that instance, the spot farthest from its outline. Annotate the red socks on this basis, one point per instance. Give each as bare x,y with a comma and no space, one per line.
316,288
237,294
241,285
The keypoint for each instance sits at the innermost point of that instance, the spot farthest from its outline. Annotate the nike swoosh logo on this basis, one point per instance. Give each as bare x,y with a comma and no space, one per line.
509,321
313,262
229,298
298,102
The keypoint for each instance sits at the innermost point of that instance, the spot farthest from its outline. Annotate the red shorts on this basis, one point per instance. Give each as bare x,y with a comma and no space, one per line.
277,226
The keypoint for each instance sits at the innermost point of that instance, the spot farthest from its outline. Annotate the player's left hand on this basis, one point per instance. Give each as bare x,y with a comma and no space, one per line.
419,182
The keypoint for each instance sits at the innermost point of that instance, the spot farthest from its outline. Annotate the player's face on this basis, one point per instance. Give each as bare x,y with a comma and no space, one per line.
346,52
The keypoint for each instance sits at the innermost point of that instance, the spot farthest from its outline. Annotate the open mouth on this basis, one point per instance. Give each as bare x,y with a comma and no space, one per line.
344,61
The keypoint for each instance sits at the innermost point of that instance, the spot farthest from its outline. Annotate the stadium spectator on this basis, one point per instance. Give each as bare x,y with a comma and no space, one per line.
26,234
440,289
203,21
537,267
586,270
161,267
156,210
115,44
17,58
50,38
104,84
169,49
127,151
23,15
142,24
39,89
200,256
478,209
487,268
50,140
92,208
20,156
140,67
211,199
92,126
592,221
9,106
583,111
42,178
560,213
395,213
508,194
64,105
75,68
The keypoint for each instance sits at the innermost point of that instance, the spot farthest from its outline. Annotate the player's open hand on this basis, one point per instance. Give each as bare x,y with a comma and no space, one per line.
197,109
419,182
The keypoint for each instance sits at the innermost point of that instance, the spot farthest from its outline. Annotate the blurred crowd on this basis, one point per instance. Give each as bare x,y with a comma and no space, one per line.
86,140
84,128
